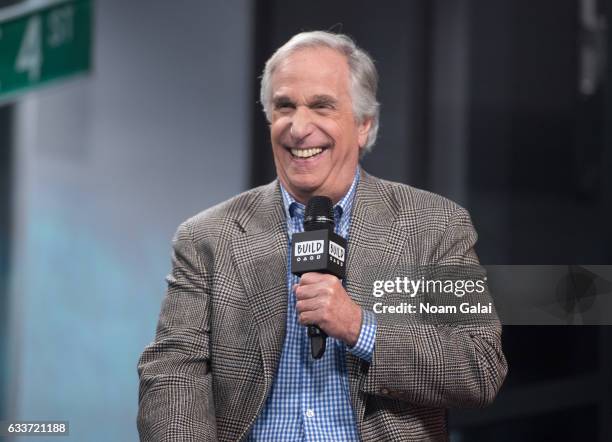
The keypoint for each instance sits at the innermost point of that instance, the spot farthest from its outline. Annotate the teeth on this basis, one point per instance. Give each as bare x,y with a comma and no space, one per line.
306,153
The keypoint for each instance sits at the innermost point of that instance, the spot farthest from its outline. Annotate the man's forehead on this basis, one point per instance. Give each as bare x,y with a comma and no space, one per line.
319,69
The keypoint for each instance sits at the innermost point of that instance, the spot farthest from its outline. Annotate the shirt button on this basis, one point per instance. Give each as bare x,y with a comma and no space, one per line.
309,413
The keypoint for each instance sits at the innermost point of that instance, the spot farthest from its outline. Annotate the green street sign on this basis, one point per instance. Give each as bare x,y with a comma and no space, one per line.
44,43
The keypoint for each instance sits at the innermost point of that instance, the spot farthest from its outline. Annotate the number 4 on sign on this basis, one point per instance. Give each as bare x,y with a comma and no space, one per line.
30,57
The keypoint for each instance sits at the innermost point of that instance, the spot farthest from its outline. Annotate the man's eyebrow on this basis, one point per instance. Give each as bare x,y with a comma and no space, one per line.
281,99
322,99
315,100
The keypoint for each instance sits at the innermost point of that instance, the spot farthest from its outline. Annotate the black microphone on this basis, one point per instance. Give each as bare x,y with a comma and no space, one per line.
318,249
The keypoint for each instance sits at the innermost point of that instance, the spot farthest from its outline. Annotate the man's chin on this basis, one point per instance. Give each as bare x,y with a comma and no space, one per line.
304,188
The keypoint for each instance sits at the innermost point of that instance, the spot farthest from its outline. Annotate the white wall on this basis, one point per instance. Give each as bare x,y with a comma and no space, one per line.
107,167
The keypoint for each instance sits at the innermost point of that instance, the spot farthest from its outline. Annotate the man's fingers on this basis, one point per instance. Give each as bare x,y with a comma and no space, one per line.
305,292
310,278
313,291
306,318
307,305
314,278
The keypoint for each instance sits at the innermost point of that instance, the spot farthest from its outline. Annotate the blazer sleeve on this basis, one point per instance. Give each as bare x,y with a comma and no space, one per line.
176,397
440,365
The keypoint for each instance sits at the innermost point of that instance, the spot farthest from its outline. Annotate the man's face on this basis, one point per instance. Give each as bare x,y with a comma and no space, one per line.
315,138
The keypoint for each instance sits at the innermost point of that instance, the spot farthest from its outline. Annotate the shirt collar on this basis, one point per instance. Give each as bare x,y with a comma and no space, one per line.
342,207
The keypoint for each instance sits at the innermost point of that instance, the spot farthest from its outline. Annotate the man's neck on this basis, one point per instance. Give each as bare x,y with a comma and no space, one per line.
304,197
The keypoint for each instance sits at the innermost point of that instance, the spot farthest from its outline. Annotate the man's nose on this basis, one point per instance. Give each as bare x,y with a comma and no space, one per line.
301,124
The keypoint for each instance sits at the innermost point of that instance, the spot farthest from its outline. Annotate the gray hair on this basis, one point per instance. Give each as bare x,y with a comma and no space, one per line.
363,75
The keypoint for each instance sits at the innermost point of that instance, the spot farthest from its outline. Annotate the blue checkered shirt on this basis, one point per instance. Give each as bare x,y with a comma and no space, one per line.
309,400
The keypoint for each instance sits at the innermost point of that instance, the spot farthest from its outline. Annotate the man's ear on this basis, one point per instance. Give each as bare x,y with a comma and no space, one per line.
363,129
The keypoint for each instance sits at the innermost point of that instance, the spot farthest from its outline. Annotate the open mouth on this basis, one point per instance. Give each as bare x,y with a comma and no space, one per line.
310,152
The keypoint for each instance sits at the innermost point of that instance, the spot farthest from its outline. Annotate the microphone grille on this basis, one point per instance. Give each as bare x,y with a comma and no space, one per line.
319,210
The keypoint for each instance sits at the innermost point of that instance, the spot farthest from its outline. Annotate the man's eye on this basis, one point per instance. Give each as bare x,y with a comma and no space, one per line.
284,106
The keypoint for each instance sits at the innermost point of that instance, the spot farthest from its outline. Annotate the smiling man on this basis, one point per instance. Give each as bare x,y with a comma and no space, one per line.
316,138
230,360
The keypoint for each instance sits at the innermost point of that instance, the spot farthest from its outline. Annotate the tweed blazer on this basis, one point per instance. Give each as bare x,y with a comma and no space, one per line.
209,370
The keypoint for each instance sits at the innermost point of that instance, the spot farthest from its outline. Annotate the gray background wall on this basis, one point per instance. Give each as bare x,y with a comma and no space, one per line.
106,168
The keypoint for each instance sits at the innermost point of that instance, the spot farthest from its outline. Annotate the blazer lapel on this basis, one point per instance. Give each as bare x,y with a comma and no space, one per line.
375,242
260,254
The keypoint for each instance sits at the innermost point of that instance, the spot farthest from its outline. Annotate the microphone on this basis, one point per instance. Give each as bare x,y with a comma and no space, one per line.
318,249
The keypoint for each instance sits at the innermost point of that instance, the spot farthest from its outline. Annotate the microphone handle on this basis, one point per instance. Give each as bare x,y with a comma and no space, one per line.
318,340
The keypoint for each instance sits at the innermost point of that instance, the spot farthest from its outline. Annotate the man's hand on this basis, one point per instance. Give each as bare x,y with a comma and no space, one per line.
322,301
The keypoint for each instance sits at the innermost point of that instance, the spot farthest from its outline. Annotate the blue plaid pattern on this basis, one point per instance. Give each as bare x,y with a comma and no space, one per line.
309,400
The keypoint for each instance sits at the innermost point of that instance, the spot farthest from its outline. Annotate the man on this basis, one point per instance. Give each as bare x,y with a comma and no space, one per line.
231,357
